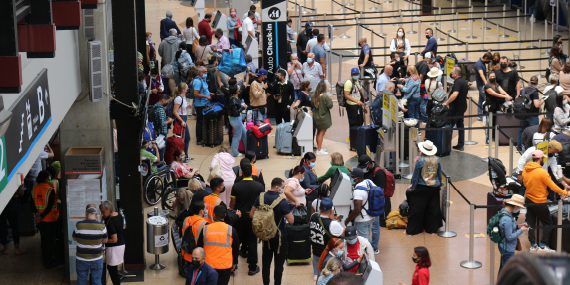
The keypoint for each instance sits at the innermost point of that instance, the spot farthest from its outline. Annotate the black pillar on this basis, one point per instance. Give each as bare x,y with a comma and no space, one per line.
128,128
141,29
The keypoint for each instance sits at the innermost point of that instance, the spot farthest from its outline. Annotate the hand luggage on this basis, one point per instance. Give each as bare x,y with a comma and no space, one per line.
300,214
213,131
262,129
366,136
172,144
387,210
241,147
467,69
299,244
442,140
565,234
493,200
284,138
507,121
26,221
258,145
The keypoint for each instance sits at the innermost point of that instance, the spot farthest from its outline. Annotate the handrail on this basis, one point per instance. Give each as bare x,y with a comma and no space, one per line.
302,6
345,7
396,11
514,31
373,32
554,24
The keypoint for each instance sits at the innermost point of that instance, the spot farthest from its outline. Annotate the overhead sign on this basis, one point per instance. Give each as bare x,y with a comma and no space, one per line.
31,115
274,34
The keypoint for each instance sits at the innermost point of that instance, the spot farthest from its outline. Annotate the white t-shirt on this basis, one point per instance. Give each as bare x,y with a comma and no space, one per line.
558,89
37,167
246,26
362,195
181,100
335,228
190,34
257,18
317,208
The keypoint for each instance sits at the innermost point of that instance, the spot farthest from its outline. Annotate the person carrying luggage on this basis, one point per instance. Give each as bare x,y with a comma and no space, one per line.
258,97
275,248
528,156
411,92
423,196
324,226
195,225
202,95
359,214
310,179
457,103
294,192
235,108
180,111
495,96
536,179
284,93
355,247
508,229
354,97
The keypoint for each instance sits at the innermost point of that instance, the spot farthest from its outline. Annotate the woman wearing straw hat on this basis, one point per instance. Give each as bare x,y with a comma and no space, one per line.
509,230
432,84
423,197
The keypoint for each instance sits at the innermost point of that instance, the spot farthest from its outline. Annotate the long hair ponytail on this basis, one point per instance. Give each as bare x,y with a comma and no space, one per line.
308,156
178,90
332,265
333,242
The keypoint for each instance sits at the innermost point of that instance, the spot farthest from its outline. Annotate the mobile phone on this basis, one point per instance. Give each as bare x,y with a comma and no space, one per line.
341,217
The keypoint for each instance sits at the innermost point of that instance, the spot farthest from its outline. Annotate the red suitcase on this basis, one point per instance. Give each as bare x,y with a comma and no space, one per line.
172,144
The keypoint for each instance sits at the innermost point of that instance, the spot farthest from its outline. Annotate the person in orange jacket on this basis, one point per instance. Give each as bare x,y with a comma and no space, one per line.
44,206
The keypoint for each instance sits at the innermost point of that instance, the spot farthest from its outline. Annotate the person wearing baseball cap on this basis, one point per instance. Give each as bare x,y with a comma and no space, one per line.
325,225
375,174
302,40
355,247
359,216
354,97
510,232
536,179
257,96
528,156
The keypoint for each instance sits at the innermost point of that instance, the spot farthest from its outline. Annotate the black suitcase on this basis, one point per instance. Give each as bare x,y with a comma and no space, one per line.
507,121
366,136
387,210
299,244
26,220
258,145
493,200
442,140
213,131
565,234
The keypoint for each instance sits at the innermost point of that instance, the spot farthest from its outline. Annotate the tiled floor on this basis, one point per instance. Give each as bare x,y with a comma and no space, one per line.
396,248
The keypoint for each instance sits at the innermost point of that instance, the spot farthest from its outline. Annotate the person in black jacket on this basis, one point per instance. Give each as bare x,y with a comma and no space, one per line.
283,92
302,40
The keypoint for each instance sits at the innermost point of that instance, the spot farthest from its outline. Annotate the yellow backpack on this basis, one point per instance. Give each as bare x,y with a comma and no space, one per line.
396,221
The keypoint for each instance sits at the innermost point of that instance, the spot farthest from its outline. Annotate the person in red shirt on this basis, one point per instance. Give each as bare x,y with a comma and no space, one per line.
204,28
421,275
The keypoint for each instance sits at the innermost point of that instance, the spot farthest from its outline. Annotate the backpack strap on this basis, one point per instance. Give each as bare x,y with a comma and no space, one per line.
323,226
275,203
261,199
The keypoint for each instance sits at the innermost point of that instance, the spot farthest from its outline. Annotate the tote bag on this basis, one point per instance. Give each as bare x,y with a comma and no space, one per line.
216,171
233,62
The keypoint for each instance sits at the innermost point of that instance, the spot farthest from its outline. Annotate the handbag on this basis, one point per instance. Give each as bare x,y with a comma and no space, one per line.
233,62
299,214
160,142
237,34
216,171
177,129
167,71
195,42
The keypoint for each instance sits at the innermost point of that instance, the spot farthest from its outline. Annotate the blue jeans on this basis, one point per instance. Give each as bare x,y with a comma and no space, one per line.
161,151
84,267
531,121
505,256
423,107
296,95
316,265
364,228
258,117
414,108
376,232
239,133
186,135
481,99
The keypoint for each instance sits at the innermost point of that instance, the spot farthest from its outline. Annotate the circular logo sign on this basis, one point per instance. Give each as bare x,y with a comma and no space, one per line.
274,13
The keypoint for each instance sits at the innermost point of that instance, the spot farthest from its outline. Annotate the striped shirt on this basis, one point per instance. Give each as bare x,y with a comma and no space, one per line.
89,235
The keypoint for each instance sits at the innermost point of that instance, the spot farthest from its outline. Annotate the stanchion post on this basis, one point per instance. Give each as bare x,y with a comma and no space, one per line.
411,31
452,27
531,31
411,151
385,47
470,12
492,263
545,28
559,230
496,141
448,42
498,35
339,67
402,148
519,47
381,21
486,8
489,136
511,153
304,9
447,233
540,60
439,12
472,36
471,264
483,38
419,33
434,23
344,35
466,50
518,21
469,138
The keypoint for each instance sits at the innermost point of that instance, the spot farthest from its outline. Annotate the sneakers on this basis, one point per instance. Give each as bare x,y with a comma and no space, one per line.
457,147
315,277
376,251
322,152
348,140
253,272
239,154
534,249
479,119
545,249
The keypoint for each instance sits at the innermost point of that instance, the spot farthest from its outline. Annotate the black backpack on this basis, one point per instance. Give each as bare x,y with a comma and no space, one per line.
438,111
152,117
550,103
212,81
564,155
169,109
523,103
189,240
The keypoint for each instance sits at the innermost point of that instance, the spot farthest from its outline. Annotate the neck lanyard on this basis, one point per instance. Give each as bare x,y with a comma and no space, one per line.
196,276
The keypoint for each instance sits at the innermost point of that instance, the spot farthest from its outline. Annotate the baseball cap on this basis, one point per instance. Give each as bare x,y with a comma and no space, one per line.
363,160
309,25
261,71
357,172
350,232
427,55
538,154
326,204
355,70
91,210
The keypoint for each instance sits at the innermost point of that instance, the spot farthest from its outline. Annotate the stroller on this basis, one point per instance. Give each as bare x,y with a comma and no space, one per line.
503,186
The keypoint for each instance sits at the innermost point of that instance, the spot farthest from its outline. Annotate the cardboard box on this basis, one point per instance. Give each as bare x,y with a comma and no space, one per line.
84,160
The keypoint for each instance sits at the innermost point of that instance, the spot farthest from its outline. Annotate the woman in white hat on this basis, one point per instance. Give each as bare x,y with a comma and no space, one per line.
432,83
508,228
423,198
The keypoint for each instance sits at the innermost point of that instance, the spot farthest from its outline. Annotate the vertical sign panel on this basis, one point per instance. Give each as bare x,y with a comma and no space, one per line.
274,30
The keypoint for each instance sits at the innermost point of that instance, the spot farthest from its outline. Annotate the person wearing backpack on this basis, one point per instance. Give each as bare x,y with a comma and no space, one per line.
182,64
509,232
481,79
423,198
273,247
180,112
202,95
379,176
552,90
324,226
192,228
561,115
531,92
359,215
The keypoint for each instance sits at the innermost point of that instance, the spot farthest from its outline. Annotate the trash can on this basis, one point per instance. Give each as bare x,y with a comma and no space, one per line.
157,238
161,213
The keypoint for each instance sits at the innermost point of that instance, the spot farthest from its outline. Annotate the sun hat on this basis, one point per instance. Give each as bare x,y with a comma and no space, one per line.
538,154
516,200
434,72
427,147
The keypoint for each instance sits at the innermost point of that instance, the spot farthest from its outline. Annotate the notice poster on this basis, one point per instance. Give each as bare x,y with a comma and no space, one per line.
543,146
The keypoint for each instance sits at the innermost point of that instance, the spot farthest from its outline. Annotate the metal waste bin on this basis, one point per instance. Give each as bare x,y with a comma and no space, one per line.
157,238
162,213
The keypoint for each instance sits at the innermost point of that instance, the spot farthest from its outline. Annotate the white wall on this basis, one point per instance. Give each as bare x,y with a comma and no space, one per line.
64,86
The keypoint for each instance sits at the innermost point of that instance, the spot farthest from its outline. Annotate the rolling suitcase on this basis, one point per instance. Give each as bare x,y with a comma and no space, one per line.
507,121
299,244
565,234
213,131
493,200
172,144
284,138
258,145
26,222
366,136
442,140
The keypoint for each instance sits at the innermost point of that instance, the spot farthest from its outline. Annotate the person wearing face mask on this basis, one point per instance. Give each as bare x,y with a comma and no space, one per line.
495,63
431,45
248,27
398,40
495,96
234,23
422,68
244,194
202,95
335,248
354,97
180,168
480,77
365,58
204,28
196,223
310,178
276,248
115,245
284,93
411,91
312,71
303,99
302,40
150,53
166,24
355,247
537,100
508,78
44,206
337,162
558,40
508,228
324,226
256,19
199,272
258,96
457,103
561,113
223,42
332,268
359,216
294,192
423,261
383,79
527,157
536,179
213,200
375,174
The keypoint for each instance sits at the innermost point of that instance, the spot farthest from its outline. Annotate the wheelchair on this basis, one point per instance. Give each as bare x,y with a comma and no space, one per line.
169,195
156,183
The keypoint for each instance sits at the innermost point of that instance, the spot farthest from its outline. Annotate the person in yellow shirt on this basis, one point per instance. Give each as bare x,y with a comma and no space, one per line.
354,97
536,179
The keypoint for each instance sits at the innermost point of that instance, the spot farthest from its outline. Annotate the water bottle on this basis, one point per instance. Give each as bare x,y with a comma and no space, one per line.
495,230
